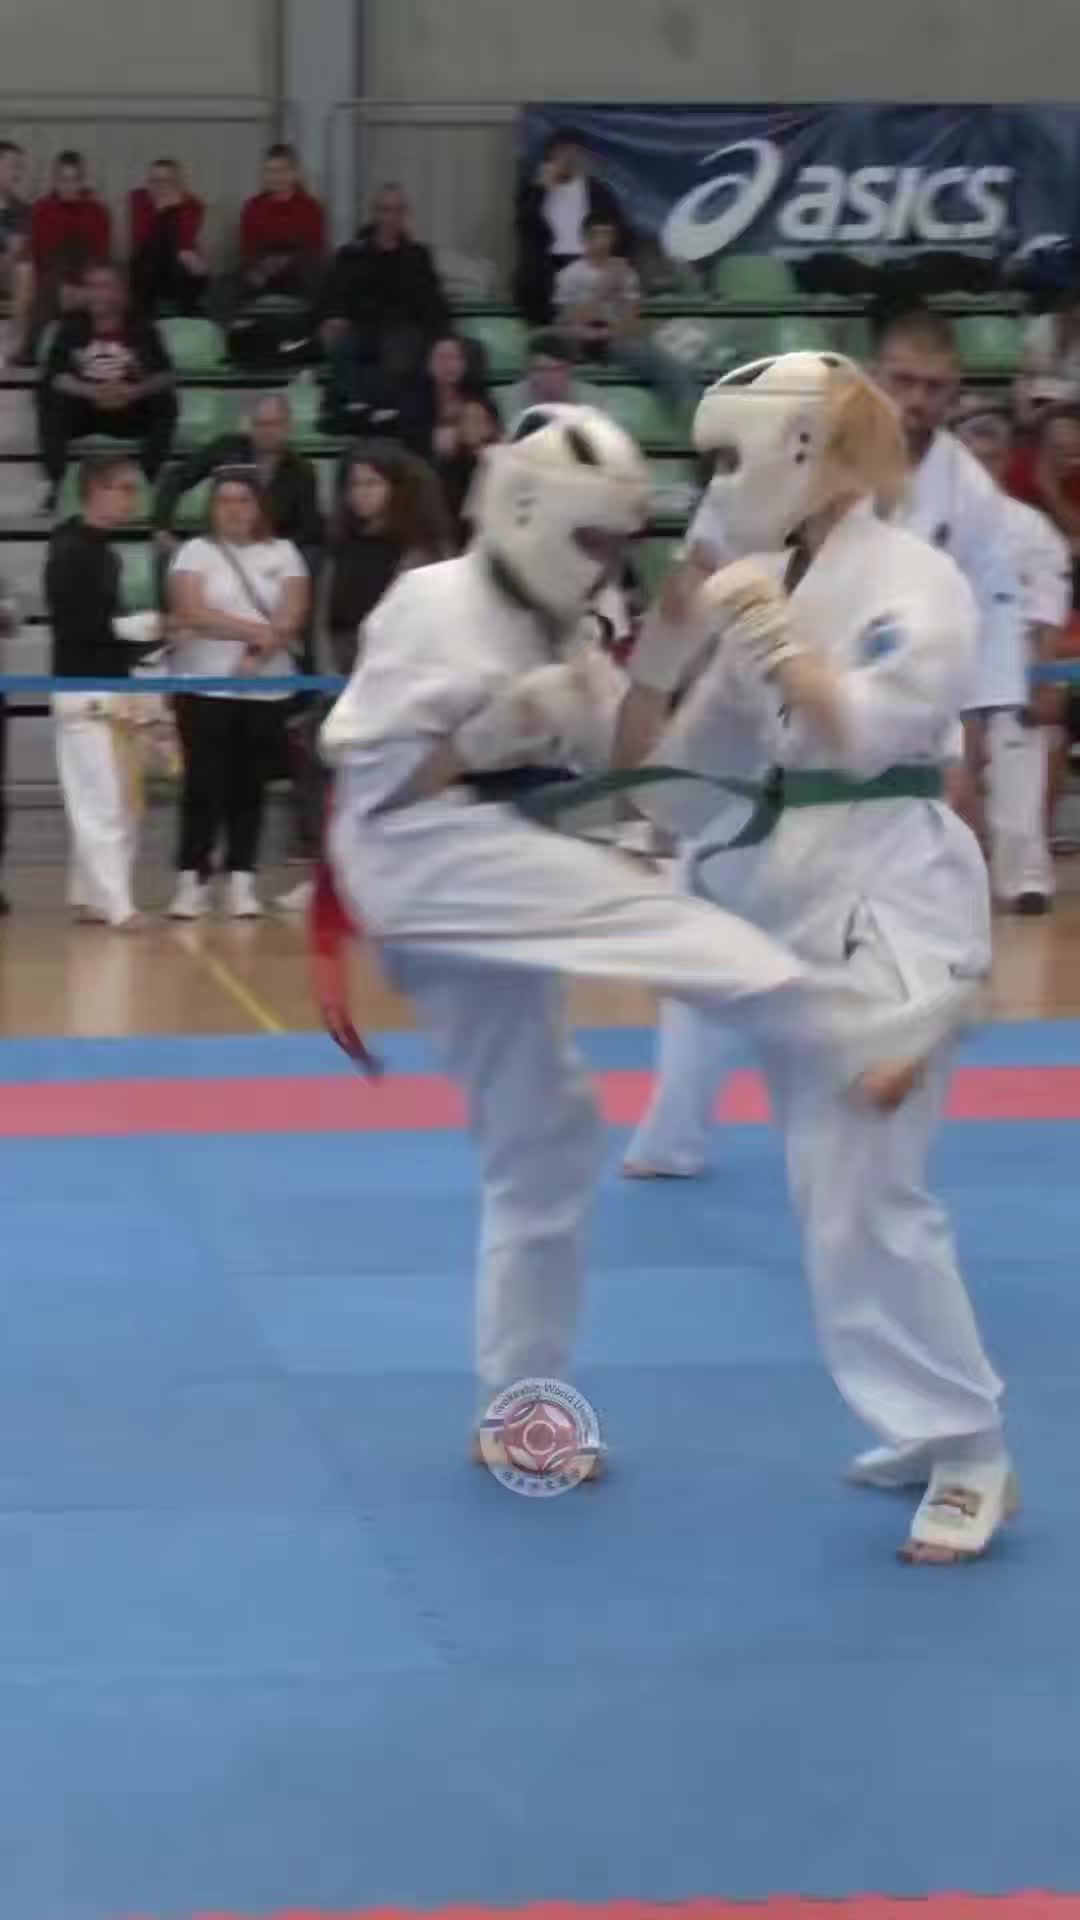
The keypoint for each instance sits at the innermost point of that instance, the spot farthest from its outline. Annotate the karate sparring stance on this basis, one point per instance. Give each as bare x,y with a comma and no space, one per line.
889,878
96,745
952,503
476,666
1021,741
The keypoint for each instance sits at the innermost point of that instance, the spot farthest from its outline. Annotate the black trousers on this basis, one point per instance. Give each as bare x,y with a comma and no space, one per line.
62,418
3,777
158,279
232,749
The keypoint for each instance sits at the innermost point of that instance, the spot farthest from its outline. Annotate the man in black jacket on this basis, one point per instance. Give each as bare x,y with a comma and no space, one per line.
286,479
553,204
107,372
93,639
384,303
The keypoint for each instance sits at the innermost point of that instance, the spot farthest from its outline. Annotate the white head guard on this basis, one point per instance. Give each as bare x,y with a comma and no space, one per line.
566,472
767,427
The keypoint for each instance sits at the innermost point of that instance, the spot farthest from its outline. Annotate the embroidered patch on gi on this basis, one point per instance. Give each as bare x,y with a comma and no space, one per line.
882,637
941,535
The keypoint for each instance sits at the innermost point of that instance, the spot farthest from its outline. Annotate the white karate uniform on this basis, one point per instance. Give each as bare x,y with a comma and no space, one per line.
1018,754
101,818
899,888
477,912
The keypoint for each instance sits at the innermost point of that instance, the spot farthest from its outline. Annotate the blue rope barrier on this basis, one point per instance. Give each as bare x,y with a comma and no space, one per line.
175,683
1054,673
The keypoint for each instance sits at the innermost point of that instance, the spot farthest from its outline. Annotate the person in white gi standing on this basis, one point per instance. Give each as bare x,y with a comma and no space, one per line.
473,667
950,502
1021,741
885,877
93,639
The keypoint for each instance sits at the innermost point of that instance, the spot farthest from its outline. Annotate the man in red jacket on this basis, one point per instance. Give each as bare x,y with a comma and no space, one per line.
282,232
167,268
70,228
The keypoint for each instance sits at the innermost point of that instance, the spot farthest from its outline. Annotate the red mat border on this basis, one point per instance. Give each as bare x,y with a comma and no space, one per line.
934,1906
428,1103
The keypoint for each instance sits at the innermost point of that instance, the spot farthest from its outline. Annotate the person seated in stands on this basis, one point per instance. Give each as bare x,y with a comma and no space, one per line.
553,205
550,378
432,407
1045,472
286,480
390,516
282,233
107,372
598,298
478,426
70,231
1051,353
383,305
167,268
16,265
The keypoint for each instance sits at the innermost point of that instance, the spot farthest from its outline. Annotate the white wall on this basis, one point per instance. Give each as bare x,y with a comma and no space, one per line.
126,80
721,50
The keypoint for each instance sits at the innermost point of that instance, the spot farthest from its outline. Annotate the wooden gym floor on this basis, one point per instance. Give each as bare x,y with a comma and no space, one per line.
220,977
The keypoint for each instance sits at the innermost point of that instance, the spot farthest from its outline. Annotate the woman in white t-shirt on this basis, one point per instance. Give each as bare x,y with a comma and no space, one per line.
239,599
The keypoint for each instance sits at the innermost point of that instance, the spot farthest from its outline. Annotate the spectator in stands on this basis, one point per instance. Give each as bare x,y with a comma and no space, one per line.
431,410
9,625
598,299
240,600
552,208
282,233
1045,473
287,481
391,516
16,265
70,231
550,378
92,638
478,427
1051,353
107,372
383,305
167,269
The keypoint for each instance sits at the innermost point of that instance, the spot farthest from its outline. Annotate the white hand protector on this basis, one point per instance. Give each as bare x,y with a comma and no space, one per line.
749,613
140,629
562,715
554,503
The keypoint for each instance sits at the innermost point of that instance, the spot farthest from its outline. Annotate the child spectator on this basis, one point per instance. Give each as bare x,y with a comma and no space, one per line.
70,231
167,268
282,232
390,516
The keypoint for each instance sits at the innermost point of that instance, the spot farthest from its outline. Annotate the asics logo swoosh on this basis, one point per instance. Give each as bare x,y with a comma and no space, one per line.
692,231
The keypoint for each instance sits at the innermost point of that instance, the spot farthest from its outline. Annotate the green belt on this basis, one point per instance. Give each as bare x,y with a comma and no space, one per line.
767,799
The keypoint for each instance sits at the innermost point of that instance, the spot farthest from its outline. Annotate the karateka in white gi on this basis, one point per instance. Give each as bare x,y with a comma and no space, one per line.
477,665
1022,741
896,885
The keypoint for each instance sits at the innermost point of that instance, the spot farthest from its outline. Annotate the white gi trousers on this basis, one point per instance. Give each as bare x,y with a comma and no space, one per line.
1016,780
476,911
101,821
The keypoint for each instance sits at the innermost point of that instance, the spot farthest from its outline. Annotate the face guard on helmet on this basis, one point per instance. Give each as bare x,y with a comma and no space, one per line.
786,436
556,502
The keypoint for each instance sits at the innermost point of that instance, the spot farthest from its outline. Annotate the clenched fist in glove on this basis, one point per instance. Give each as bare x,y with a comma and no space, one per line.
558,714
748,612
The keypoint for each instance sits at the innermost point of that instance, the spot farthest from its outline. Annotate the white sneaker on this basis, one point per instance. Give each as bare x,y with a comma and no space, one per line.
297,900
243,901
191,900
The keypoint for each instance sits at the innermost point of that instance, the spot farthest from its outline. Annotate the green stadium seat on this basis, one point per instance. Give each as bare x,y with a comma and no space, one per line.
651,559
800,333
138,575
753,280
193,345
203,416
854,336
989,343
504,338
641,413
68,502
674,489
190,515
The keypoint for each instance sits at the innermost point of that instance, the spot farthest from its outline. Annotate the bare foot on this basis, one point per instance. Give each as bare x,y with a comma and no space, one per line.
134,923
886,1086
88,917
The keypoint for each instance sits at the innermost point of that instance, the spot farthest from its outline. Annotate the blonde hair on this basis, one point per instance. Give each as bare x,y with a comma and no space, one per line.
864,450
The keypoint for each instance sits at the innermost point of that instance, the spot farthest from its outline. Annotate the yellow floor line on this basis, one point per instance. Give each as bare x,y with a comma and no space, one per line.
249,1002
